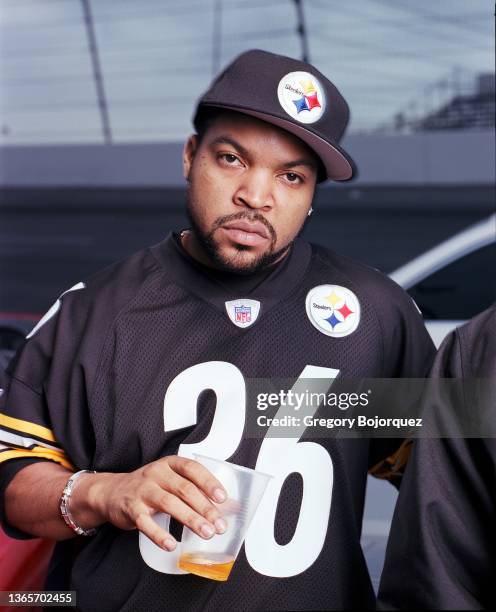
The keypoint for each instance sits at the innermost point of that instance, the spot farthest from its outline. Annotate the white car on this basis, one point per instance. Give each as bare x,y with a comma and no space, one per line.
455,280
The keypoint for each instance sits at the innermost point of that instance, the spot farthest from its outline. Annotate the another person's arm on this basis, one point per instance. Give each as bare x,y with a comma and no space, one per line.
442,543
440,553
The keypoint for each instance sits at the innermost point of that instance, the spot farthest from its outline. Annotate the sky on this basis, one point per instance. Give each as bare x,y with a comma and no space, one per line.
158,56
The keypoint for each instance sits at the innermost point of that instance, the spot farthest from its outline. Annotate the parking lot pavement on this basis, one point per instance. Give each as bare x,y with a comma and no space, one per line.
374,548
379,508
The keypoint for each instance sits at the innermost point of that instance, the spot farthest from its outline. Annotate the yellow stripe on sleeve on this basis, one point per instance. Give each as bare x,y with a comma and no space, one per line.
27,427
37,452
395,465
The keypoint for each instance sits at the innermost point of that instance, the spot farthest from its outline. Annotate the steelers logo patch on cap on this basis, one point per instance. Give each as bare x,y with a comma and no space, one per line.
301,96
333,310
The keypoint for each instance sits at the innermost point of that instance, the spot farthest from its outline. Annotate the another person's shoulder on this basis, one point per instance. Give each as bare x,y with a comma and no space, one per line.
480,331
472,347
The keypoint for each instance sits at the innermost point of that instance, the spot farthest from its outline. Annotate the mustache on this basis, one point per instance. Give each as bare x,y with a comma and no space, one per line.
249,217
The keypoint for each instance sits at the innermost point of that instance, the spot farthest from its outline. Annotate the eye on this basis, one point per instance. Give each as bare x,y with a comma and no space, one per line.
229,158
293,178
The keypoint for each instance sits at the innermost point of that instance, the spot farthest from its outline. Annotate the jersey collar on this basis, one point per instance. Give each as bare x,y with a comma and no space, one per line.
272,289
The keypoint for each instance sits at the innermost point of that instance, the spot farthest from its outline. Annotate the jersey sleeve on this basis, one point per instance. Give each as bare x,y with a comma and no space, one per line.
43,410
408,348
440,553
408,353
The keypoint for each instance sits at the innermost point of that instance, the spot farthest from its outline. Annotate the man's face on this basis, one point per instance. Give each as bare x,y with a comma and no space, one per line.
251,187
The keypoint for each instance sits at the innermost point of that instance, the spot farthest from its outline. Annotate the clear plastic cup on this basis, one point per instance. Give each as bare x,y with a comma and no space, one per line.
215,558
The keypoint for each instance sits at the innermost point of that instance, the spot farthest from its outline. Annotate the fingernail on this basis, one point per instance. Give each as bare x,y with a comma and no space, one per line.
169,544
220,525
219,495
207,530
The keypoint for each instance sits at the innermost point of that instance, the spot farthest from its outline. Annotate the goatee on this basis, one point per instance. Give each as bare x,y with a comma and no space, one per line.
236,265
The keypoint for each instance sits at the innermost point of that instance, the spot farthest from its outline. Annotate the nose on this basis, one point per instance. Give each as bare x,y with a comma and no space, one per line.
255,190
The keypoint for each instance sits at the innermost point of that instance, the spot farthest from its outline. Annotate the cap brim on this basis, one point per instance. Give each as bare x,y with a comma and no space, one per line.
339,166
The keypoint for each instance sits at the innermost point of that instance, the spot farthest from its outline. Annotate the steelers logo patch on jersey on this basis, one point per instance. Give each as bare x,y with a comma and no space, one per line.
333,310
243,313
302,96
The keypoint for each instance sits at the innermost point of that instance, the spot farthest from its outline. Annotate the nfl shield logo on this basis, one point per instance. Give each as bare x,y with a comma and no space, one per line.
242,314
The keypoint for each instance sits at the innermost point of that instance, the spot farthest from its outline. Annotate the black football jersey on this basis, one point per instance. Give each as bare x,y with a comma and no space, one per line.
441,552
149,358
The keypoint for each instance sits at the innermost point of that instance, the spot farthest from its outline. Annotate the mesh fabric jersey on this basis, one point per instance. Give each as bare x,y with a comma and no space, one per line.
92,389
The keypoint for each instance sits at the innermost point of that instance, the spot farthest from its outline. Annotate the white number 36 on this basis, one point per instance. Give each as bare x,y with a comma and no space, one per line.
280,457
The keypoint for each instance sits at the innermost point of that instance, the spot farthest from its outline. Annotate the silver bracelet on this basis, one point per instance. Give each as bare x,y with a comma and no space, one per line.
64,505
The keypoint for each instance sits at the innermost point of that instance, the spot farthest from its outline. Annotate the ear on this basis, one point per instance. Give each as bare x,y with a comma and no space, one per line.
189,152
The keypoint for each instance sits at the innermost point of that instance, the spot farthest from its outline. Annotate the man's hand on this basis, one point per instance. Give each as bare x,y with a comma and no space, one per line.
180,487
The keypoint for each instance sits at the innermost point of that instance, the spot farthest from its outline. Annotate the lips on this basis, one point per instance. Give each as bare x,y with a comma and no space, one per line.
247,233
249,227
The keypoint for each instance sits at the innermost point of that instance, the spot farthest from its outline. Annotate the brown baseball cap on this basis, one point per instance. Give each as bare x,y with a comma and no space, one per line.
288,93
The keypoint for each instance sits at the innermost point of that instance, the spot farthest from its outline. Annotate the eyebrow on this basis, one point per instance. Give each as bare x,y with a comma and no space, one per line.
232,142
300,162
303,161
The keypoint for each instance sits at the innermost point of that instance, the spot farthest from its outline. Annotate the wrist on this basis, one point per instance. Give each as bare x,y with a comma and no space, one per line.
87,500
65,504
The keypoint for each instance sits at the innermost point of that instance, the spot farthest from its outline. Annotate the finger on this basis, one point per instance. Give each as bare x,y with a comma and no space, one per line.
200,476
197,500
145,523
169,503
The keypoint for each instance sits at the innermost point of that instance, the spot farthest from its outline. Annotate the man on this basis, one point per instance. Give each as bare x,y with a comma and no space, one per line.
118,378
442,546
